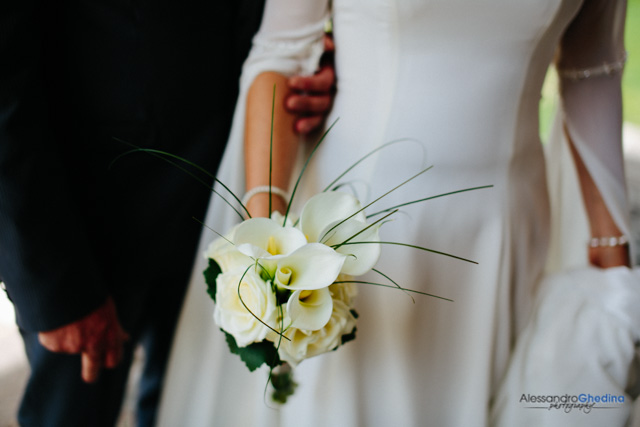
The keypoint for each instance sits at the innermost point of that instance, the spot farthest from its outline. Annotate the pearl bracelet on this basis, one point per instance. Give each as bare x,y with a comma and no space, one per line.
264,189
597,242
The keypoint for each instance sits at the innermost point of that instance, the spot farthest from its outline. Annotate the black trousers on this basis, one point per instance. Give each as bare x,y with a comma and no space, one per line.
56,395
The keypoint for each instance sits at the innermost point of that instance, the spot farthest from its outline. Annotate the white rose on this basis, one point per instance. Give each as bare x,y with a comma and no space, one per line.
303,344
231,314
279,218
225,254
344,292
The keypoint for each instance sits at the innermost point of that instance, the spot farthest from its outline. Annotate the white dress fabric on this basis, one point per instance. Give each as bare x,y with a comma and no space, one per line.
461,81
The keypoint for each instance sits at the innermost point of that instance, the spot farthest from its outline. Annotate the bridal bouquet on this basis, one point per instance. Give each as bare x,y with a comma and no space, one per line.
284,290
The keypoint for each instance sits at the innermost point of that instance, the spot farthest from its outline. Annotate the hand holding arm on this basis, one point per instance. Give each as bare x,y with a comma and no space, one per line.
311,97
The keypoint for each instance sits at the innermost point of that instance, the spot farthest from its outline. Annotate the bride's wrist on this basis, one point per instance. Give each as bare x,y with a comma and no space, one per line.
258,203
609,251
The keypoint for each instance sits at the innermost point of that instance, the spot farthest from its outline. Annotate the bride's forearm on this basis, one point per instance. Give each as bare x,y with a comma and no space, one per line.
257,142
601,223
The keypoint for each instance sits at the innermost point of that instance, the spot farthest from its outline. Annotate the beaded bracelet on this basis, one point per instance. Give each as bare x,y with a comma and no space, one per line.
605,69
264,189
597,242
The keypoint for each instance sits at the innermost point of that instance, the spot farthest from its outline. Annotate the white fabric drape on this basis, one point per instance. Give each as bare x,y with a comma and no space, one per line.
583,334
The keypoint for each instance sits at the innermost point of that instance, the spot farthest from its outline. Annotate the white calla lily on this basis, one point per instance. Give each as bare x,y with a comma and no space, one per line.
252,251
360,257
313,266
265,261
269,235
326,208
310,310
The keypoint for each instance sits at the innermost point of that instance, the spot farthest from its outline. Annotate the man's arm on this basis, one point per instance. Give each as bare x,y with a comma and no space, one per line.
44,256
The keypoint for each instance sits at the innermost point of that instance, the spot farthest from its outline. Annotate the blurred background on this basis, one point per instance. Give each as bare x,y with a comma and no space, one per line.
13,366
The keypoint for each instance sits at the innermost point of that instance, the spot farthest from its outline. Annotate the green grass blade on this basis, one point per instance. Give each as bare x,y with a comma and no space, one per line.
363,230
428,198
363,282
211,229
363,158
394,282
371,203
304,167
163,154
413,246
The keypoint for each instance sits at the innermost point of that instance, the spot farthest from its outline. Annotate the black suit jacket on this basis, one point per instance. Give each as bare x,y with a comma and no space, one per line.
74,75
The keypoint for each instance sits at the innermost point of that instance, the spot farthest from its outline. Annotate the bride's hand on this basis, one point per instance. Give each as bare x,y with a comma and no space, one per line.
609,256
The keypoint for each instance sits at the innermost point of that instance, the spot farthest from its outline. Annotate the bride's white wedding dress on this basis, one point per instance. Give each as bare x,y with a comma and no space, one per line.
462,81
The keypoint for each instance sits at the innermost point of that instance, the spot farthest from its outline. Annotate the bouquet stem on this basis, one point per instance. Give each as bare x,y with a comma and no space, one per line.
282,382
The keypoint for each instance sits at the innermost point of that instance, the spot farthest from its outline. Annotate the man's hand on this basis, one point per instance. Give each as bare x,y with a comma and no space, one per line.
98,337
312,96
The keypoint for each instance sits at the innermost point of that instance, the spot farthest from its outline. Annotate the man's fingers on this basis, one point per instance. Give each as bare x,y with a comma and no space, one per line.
305,125
59,342
113,354
112,358
91,365
329,45
48,343
321,82
124,336
308,105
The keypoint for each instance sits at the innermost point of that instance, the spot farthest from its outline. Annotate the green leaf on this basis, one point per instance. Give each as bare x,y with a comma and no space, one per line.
210,275
349,337
254,355
283,385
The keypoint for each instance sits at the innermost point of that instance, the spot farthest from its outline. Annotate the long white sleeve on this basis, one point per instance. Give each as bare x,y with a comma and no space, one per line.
589,64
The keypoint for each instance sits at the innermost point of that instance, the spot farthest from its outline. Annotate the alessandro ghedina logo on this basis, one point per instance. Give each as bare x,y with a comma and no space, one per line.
584,402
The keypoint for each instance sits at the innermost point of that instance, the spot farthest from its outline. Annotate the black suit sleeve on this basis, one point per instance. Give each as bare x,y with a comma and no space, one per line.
44,259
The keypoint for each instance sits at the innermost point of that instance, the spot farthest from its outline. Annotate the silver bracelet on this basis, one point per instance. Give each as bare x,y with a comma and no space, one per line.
264,189
598,242
606,69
